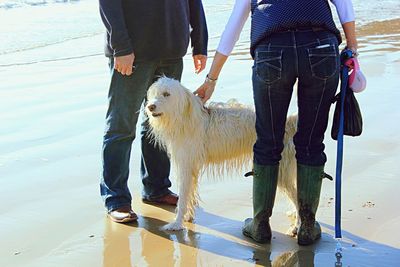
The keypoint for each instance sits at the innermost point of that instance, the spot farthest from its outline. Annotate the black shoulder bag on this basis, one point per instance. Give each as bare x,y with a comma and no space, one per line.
352,119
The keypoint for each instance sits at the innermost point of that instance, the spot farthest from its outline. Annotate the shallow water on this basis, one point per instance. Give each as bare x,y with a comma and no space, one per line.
33,26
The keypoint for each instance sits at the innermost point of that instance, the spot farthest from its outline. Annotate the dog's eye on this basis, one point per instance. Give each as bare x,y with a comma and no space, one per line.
166,94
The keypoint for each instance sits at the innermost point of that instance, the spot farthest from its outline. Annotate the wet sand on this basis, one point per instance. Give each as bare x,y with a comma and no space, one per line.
52,215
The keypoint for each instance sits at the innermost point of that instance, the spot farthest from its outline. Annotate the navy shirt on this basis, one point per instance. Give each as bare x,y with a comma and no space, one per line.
271,16
154,29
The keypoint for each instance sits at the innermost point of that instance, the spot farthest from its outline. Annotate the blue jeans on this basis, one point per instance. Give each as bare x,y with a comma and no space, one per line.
126,95
311,57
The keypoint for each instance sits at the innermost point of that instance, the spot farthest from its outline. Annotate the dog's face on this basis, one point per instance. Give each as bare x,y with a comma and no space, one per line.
165,99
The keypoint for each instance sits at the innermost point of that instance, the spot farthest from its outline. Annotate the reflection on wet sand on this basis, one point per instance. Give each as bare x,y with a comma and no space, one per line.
213,241
139,244
116,248
300,258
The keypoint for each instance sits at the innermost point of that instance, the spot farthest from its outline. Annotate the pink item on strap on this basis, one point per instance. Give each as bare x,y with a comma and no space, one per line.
357,80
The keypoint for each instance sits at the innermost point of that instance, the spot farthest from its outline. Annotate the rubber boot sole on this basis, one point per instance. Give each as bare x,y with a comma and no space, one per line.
307,242
263,238
308,239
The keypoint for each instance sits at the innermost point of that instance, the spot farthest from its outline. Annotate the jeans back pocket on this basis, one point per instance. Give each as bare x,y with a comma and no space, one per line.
324,61
268,65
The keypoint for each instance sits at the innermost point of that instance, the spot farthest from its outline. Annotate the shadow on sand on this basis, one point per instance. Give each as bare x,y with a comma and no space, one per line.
222,237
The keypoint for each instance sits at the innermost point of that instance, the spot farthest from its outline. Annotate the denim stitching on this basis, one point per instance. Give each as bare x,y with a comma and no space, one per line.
271,66
313,65
265,61
270,107
303,45
295,54
316,116
270,110
268,59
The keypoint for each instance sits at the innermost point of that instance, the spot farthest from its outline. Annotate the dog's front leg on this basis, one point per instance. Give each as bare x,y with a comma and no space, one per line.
193,200
185,179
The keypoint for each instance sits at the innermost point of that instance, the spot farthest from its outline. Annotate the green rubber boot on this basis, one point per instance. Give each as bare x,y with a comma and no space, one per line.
309,182
265,181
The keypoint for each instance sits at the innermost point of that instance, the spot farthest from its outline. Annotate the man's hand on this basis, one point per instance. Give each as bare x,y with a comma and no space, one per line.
199,63
124,64
205,91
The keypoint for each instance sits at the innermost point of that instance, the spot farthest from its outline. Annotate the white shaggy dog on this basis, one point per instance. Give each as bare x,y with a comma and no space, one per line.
218,139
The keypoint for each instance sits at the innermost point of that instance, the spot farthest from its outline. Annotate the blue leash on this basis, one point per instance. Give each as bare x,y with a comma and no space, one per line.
346,54
339,156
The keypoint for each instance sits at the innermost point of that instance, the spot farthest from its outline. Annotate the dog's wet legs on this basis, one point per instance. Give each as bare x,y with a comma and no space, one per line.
186,181
193,199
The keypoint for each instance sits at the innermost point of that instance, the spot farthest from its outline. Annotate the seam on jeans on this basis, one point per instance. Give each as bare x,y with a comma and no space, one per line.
295,54
270,107
316,116
271,115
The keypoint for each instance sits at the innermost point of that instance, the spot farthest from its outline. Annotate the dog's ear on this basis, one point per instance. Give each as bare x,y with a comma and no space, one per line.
188,103
194,102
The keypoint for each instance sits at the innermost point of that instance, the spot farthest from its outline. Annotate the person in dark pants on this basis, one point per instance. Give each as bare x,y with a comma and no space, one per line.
294,40
144,40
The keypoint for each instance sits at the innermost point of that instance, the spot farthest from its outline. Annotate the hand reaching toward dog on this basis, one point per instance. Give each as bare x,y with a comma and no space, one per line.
207,88
205,91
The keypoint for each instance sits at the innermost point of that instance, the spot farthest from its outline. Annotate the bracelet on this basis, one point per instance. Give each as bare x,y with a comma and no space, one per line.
355,53
210,80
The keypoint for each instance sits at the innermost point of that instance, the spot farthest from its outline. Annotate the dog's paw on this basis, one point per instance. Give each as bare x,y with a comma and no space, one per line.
174,226
292,231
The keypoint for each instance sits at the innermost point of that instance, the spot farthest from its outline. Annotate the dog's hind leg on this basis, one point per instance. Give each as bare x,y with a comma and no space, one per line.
287,184
186,181
295,223
293,214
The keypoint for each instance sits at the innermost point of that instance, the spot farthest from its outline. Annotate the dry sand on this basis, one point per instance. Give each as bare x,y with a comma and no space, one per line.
51,213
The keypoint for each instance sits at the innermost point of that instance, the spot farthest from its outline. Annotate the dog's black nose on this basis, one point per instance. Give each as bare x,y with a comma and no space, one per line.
151,107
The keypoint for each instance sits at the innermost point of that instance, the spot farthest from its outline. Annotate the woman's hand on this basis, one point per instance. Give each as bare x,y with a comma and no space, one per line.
207,88
205,91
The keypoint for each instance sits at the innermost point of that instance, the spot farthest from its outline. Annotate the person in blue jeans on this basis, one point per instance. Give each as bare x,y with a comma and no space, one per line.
144,40
291,41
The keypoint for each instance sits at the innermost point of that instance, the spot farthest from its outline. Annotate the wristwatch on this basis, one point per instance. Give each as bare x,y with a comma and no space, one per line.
210,80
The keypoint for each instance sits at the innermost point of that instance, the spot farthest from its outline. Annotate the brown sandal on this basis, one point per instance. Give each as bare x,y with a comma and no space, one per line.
123,215
168,199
